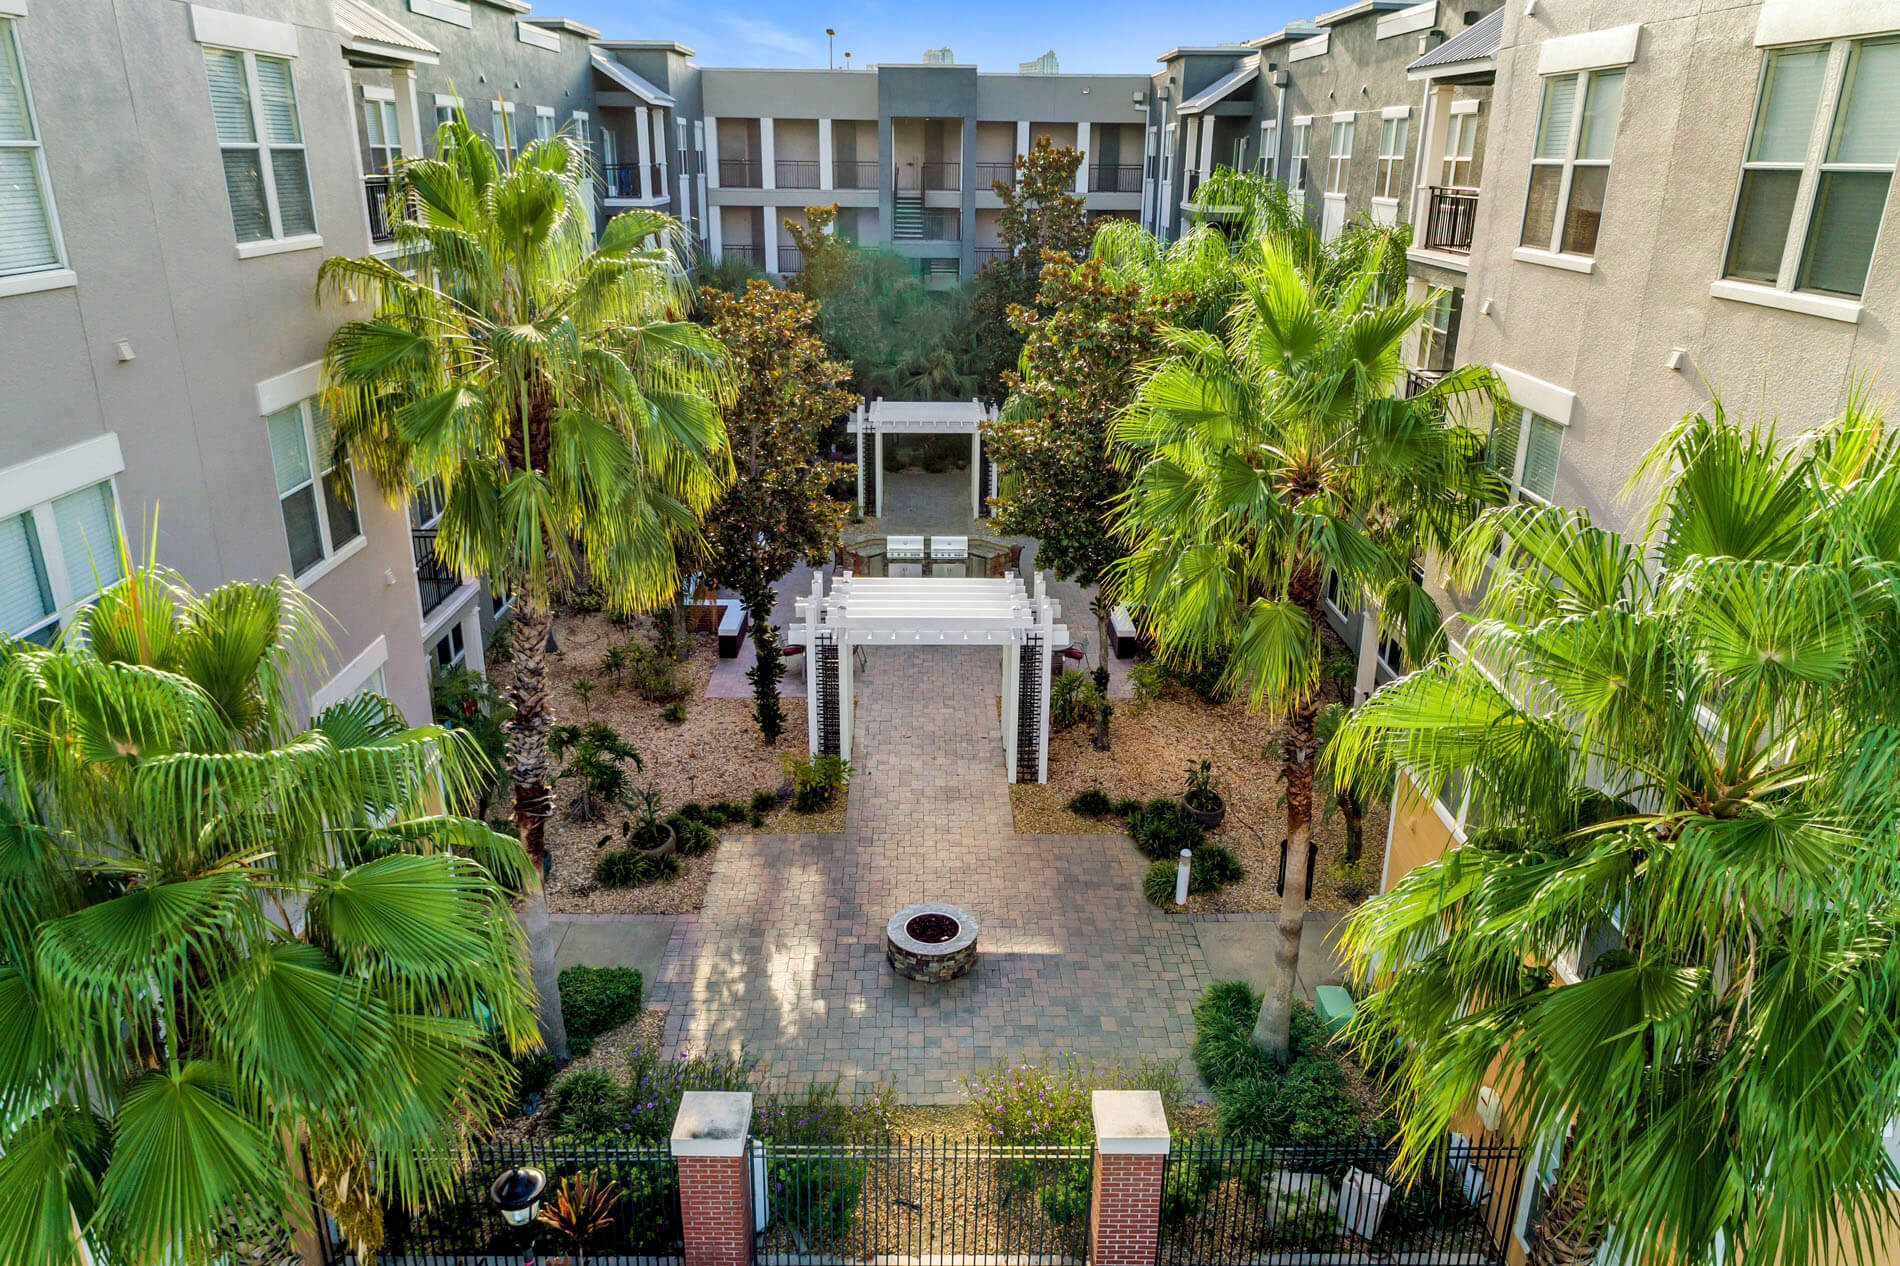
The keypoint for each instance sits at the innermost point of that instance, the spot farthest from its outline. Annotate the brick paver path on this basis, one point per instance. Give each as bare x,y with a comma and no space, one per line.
787,956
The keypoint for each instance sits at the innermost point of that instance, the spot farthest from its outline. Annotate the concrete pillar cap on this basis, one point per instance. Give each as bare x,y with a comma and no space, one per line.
1130,1123
712,1123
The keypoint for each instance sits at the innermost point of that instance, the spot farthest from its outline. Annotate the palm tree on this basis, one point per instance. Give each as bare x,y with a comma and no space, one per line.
1683,750
1265,456
553,393
222,938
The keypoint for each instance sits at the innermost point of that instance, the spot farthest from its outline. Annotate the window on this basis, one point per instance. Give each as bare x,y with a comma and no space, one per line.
1340,157
1391,157
300,455
446,108
1301,133
501,122
1438,332
580,131
543,123
1461,143
260,136
609,158
55,556
1332,593
1270,149
451,648
1819,164
1523,453
1570,170
29,242
380,131
425,505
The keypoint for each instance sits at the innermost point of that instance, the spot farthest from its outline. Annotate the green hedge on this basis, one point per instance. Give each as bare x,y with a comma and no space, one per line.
595,1000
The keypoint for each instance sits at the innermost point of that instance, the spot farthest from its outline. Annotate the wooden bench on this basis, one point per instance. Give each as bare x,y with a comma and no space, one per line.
732,627
1127,637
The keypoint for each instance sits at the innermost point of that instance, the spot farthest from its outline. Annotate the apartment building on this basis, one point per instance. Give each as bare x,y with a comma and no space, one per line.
911,155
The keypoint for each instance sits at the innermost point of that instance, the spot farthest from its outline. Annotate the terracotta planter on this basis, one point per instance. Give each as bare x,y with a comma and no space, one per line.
1208,818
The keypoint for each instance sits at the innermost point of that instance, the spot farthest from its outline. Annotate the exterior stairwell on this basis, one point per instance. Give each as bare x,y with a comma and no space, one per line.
907,217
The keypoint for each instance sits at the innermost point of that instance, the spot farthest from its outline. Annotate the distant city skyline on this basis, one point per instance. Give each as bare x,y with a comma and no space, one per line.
992,35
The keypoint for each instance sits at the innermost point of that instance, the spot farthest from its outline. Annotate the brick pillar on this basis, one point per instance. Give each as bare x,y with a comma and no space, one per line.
1131,1147
709,1142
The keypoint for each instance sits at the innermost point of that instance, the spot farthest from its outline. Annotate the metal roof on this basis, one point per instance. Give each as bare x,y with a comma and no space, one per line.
1222,88
367,31
630,81
1476,43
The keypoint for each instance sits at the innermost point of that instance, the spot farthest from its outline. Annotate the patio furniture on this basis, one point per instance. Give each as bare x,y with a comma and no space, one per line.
909,549
1127,637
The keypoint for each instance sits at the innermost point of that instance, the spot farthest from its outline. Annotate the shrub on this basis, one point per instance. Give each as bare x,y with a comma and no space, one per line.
692,811
755,819
1189,1179
1204,678
533,1071
763,802
1215,866
1162,828
1072,698
595,1000
728,812
656,676
1065,1197
1302,1220
1223,1036
1320,1112
630,868
598,750
815,782
693,837
674,712
1092,803
1049,1103
1126,807
1158,884
587,1104
1251,1110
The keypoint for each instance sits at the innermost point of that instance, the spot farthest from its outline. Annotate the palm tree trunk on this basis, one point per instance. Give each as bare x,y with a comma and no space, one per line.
528,766
1272,1030
1355,814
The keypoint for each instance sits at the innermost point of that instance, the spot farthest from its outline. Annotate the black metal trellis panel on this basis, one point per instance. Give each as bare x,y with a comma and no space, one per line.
824,648
925,1203
1254,1204
464,1229
1030,692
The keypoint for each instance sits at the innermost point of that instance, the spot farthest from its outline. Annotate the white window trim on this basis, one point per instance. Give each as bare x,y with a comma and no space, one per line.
1816,21
1832,307
242,32
1589,50
536,37
1300,163
352,677
1270,149
299,387
376,92
61,595
1538,396
1567,167
53,475
1343,125
58,274
1465,105
454,12
276,243
1389,168
1554,259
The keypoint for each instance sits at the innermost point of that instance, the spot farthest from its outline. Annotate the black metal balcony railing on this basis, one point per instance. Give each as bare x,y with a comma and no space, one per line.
1419,381
750,251
940,175
1115,178
984,254
622,180
989,175
433,577
790,259
854,173
376,194
795,173
741,173
1449,217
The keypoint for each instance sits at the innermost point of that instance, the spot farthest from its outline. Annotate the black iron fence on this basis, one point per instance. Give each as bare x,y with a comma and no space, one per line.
376,194
854,173
940,175
989,175
434,578
1115,178
464,1226
795,173
622,180
751,252
741,173
928,1203
1450,217
1239,1205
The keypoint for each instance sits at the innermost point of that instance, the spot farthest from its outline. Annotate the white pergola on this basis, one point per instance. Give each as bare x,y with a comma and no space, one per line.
932,611
934,417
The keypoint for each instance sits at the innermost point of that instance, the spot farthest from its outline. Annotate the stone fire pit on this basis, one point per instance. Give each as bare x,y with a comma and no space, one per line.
931,942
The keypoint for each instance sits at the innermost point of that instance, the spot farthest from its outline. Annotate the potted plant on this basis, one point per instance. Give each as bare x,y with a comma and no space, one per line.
644,829
1202,802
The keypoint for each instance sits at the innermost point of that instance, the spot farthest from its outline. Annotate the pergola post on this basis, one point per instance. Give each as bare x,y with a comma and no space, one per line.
1045,623
847,685
976,473
1012,687
858,413
812,610
880,476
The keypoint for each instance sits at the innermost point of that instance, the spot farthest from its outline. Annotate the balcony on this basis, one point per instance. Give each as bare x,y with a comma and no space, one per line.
940,176
790,259
622,180
751,252
1418,381
741,173
989,175
376,194
854,173
1449,216
434,579
984,254
1115,178
795,173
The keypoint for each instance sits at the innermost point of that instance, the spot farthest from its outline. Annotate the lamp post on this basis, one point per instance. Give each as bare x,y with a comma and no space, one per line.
516,1194
831,37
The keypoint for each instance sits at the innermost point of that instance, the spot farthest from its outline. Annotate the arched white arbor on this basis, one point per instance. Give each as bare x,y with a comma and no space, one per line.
932,611
883,417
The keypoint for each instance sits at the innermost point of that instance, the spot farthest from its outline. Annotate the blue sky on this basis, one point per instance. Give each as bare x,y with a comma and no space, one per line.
1106,35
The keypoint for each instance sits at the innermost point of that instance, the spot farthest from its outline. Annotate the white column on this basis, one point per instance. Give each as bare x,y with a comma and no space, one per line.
1433,123
643,137
1082,144
768,175
408,111
847,684
814,605
857,412
825,165
1022,137
976,473
1012,674
769,219
714,219
1366,679
1045,620
712,152
1190,152
659,149
879,444
1207,149
474,658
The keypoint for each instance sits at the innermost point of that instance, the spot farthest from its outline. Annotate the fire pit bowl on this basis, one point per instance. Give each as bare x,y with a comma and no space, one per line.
931,942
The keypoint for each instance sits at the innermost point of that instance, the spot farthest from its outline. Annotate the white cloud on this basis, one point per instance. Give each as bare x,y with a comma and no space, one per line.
768,34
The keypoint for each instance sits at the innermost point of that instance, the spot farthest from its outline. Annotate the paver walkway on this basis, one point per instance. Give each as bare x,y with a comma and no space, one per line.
787,957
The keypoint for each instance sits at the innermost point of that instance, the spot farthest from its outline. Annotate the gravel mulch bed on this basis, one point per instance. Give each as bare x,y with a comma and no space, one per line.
1151,746
714,754
610,1055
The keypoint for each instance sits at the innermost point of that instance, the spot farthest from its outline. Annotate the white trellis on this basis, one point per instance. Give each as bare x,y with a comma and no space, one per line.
933,611
933,417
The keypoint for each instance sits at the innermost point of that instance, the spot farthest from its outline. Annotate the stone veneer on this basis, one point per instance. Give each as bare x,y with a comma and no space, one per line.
926,962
